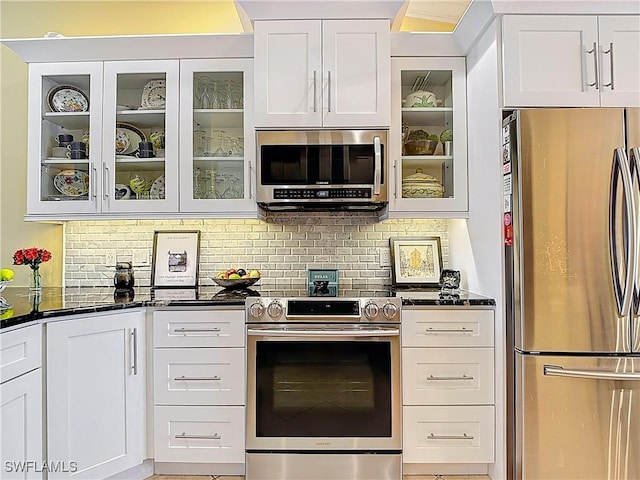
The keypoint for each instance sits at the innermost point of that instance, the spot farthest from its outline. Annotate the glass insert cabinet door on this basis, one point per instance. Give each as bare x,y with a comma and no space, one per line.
65,119
428,138
140,164
217,144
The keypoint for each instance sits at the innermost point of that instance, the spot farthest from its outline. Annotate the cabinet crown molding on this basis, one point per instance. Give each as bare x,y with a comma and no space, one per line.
131,47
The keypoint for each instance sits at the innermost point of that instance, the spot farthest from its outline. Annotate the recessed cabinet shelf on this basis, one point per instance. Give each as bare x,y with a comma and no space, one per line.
64,161
141,118
232,118
219,159
136,164
435,116
68,120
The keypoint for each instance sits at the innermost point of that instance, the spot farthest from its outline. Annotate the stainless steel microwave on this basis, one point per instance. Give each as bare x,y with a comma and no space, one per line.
325,169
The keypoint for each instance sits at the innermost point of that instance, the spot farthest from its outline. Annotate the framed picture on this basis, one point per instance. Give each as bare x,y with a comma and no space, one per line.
416,261
176,255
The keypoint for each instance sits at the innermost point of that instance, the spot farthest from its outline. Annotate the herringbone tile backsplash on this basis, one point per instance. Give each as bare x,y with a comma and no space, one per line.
283,247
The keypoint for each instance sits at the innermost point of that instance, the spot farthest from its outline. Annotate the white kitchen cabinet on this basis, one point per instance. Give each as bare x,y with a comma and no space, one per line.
21,404
96,393
445,167
202,164
448,387
64,98
217,141
111,109
140,104
322,73
199,391
566,60
21,414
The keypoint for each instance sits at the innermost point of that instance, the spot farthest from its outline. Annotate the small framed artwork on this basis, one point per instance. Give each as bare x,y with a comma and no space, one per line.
322,283
416,261
176,255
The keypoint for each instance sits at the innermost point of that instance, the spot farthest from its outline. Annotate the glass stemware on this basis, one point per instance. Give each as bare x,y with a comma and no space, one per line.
222,143
197,187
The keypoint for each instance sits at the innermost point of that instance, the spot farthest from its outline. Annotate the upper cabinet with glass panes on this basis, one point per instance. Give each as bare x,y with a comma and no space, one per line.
428,148
105,138
216,136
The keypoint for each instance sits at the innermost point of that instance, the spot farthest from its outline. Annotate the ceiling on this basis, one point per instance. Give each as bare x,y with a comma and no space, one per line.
442,11
406,15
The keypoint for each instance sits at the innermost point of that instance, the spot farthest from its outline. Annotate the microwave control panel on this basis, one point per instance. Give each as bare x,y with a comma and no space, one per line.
320,193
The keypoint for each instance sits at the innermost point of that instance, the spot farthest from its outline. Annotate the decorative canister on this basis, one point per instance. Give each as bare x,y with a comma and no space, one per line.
123,279
421,185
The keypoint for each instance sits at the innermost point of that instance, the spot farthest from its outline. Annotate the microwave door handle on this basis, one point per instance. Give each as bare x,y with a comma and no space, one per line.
377,165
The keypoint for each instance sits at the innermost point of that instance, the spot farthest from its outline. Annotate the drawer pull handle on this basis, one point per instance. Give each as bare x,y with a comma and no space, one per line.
195,330
463,377
449,330
197,379
215,436
464,436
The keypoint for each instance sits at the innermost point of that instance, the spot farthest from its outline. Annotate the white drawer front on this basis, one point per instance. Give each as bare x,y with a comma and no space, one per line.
447,328
448,434
447,376
200,328
199,434
20,351
199,376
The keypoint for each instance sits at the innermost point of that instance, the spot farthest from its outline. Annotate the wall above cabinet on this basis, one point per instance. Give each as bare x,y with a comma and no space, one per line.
253,10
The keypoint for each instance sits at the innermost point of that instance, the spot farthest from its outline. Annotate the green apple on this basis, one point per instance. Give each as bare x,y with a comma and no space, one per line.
6,274
234,276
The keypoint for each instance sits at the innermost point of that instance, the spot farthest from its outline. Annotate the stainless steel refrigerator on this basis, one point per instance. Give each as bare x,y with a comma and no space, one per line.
571,232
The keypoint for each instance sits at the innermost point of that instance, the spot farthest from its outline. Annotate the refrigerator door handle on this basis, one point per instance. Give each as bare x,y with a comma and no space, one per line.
559,371
624,296
634,167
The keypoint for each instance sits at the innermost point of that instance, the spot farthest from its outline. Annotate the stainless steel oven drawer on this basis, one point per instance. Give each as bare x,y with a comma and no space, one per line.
323,466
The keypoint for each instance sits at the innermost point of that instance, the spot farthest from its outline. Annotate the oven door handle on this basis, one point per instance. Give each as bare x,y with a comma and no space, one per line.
325,333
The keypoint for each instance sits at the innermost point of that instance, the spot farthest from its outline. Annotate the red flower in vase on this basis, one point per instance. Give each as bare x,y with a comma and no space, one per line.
31,256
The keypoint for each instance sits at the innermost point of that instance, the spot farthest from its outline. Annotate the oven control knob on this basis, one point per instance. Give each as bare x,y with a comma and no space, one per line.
274,309
371,310
390,310
256,309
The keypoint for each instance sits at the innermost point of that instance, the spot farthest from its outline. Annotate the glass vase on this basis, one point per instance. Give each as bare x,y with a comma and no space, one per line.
35,283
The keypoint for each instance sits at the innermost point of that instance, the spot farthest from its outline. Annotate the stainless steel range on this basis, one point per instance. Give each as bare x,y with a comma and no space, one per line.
323,392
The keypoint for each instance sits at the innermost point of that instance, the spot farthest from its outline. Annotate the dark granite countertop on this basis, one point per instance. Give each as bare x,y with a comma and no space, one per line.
28,307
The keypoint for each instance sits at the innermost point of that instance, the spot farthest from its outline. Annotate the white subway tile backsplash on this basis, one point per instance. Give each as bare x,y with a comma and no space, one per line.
283,248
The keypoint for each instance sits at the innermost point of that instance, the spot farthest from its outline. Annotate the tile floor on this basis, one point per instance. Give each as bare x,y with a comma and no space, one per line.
406,477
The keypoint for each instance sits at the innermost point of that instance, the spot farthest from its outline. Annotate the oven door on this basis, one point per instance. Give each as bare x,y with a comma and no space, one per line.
323,388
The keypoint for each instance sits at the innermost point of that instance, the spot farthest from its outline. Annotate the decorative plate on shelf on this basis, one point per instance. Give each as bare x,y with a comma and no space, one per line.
72,183
157,188
67,98
127,138
154,95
